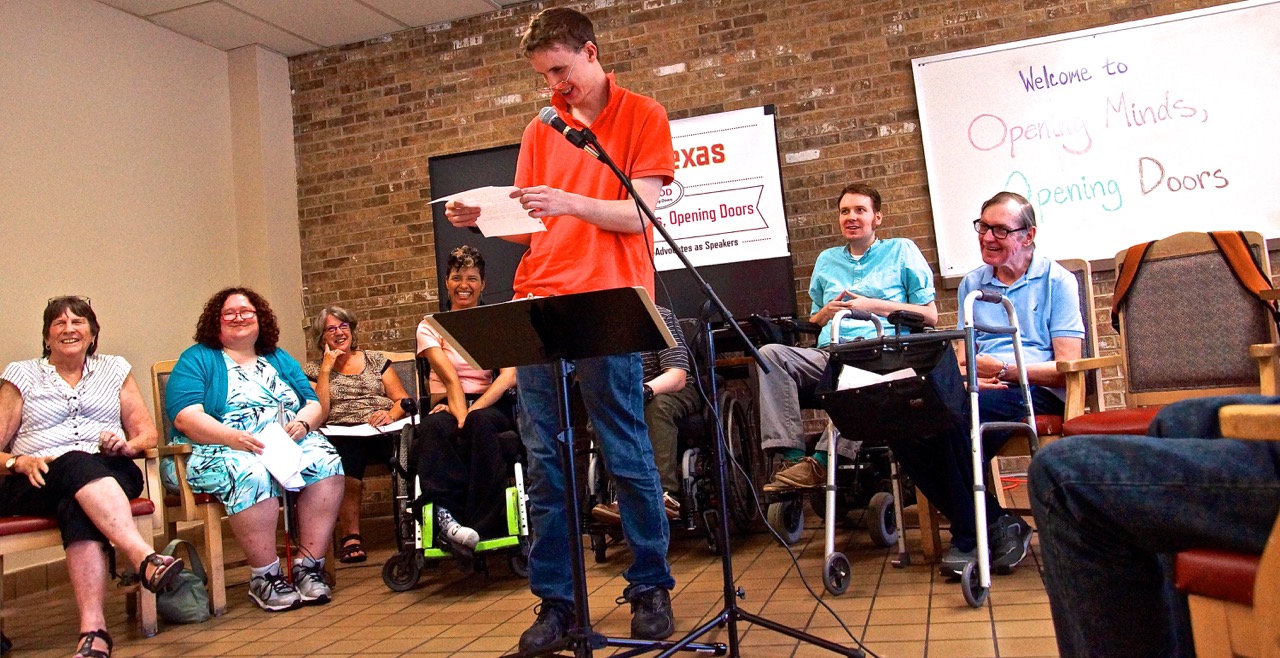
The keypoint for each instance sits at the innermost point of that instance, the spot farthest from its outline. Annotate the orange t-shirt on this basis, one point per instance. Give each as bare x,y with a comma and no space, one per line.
576,256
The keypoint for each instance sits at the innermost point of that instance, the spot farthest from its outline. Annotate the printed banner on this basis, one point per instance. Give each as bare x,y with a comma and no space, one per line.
725,205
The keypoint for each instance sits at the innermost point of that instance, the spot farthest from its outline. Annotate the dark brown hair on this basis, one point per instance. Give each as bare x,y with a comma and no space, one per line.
558,25
78,306
464,257
864,190
209,326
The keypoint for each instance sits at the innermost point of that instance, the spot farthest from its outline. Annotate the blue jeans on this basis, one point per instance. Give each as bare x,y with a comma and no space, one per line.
614,401
1111,510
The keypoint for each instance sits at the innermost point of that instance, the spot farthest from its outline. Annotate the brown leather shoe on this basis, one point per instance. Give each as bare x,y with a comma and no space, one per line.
607,513
804,474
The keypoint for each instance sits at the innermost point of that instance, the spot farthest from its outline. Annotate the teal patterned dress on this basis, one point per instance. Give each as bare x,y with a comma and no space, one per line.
256,397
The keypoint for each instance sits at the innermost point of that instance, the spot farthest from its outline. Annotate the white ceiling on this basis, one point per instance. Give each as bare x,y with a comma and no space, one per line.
293,27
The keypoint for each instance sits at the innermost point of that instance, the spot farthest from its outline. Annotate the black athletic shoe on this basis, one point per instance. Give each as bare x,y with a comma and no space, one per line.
554,620
651,615
1010,538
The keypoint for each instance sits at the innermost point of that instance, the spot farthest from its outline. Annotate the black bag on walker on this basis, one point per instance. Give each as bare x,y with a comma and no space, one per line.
926,404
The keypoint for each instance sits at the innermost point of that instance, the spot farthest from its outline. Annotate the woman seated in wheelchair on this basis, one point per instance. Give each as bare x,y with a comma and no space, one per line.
456,455
225,391
355,386
71,423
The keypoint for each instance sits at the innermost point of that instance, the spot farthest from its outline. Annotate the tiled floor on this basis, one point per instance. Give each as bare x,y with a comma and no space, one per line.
894,612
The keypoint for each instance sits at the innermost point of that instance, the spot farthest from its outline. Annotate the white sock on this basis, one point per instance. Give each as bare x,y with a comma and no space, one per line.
259,572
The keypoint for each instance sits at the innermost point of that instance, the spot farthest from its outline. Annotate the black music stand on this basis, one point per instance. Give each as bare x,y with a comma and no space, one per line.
559,330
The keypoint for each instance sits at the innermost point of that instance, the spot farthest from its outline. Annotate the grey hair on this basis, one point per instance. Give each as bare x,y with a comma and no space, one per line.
343,315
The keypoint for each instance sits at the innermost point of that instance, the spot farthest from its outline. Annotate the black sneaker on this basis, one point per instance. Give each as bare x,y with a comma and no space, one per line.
651,615
1010,538
554,620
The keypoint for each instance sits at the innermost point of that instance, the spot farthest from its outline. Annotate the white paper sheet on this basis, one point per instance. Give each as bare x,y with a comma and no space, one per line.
499,213
365,429
857,378
282,456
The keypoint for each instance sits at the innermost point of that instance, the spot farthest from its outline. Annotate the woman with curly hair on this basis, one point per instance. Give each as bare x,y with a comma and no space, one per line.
224,390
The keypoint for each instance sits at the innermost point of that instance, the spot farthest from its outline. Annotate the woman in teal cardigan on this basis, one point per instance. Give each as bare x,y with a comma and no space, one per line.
224,391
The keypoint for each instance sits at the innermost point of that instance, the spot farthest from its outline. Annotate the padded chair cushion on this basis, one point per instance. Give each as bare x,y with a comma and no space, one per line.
1113,421
1215,574
1048,424
16,525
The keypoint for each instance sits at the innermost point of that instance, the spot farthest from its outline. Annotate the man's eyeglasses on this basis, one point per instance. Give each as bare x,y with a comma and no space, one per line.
230,316
999,231
333,329
564,82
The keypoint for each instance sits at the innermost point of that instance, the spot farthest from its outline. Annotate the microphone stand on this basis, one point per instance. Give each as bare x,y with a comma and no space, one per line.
730,614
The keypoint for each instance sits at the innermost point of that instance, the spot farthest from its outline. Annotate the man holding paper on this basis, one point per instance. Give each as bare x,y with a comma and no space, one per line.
865,274
595,240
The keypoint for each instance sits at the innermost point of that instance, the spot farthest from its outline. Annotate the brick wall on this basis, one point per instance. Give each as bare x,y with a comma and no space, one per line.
368,115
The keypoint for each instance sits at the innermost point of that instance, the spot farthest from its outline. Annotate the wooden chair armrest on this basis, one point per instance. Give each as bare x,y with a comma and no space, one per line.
1093,363
173,450
1250,421
1264,350
1268,357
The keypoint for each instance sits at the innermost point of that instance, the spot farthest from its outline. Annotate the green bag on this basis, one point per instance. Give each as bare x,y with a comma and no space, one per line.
187,601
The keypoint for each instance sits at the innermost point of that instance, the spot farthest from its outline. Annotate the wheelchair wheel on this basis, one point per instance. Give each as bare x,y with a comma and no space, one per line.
974,593
882,523
519,560
743,447
711,527
401,571
787,519
836,573
598,545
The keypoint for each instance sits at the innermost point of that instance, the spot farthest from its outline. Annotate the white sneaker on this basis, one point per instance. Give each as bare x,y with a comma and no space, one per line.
455,533
311,584
273,593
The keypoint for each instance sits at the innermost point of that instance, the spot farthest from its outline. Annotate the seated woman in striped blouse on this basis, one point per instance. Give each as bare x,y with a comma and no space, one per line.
71,424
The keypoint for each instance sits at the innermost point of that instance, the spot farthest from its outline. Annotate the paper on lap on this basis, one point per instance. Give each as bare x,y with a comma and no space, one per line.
365,429
282,456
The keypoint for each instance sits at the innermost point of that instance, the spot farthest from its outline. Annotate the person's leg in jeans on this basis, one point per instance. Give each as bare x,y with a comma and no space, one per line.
791,370
549,575
611,392
1108,507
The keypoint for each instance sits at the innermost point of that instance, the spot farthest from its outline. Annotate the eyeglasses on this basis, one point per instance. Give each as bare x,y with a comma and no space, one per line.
247,314
564,82
336,328
999,231
80,298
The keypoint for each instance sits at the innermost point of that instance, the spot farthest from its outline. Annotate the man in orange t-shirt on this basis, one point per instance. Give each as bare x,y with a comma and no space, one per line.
595,239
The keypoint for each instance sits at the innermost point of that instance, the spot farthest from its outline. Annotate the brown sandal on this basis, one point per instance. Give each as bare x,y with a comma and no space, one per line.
162,576
86,649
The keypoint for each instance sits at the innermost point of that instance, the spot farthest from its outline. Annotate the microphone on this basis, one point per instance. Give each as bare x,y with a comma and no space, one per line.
576,137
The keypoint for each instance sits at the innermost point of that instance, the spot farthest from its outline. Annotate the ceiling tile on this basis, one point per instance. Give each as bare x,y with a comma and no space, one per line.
148,7
326,22
418,12
226,28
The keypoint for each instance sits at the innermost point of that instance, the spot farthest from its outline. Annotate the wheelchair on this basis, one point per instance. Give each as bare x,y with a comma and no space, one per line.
696,431
413,519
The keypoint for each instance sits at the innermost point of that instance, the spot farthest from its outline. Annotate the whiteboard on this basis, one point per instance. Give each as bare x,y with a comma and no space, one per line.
1117,135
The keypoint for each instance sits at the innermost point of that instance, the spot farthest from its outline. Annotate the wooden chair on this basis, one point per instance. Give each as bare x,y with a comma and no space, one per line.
1235,598
28,533
1187,329
186,505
